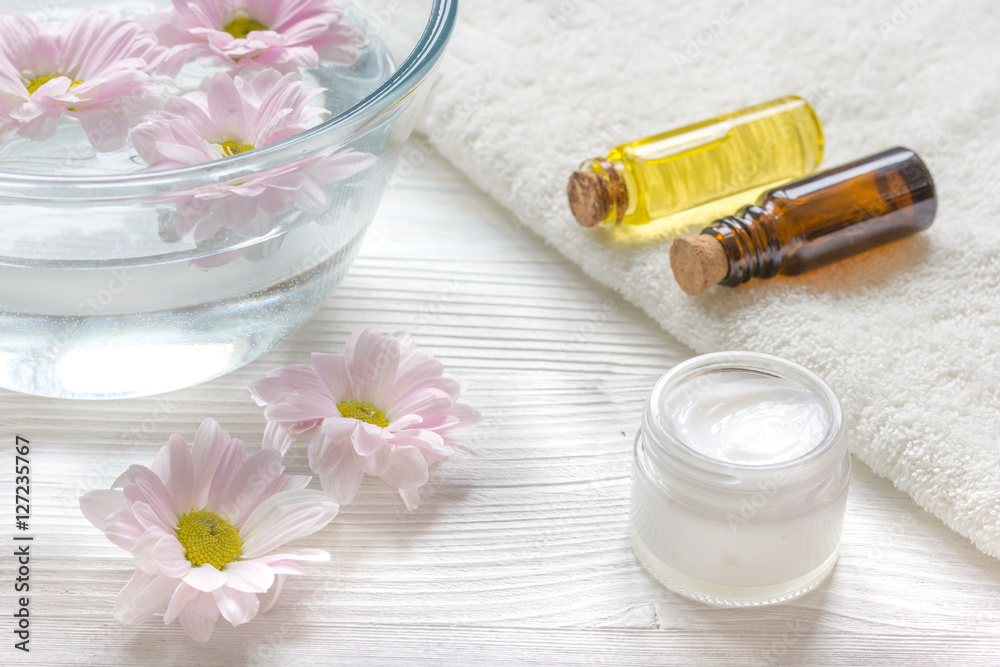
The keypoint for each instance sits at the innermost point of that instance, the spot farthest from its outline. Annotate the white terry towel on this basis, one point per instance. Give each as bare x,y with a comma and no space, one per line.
908,336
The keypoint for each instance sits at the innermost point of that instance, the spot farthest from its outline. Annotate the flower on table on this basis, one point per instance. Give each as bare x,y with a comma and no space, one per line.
207,527
381,408
94,68
233,116
282,34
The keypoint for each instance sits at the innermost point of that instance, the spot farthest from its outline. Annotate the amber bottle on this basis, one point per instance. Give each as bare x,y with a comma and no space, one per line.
811,222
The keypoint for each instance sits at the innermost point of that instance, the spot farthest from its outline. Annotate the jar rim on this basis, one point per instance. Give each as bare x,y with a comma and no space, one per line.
758,362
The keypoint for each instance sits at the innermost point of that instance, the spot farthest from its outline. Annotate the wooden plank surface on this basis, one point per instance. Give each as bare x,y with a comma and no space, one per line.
520,556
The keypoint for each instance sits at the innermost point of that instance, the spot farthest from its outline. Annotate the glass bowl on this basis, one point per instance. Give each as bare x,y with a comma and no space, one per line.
103,295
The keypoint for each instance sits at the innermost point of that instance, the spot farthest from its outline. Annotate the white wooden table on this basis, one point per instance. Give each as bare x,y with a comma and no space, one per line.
521,555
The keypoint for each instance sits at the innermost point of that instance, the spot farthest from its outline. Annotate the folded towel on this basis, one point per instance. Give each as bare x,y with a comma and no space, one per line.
909,335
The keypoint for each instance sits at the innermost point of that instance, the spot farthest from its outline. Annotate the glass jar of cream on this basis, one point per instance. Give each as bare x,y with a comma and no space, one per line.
740,478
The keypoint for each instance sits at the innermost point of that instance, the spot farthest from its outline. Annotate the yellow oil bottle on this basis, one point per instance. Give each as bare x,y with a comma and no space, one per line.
736,156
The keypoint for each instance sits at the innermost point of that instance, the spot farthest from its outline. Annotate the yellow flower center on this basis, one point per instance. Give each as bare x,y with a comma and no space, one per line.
241,26
38,82
231,148
208,538
365,412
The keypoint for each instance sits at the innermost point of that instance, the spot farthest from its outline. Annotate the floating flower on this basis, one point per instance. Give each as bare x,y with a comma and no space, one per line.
207,527
282,34
233,116
229,117
94,68
382,408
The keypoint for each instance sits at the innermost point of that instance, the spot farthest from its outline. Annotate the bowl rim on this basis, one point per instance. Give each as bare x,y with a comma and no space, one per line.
354,121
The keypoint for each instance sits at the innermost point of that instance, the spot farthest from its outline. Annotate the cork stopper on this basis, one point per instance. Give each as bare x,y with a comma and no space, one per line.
698,262
597,192
589,198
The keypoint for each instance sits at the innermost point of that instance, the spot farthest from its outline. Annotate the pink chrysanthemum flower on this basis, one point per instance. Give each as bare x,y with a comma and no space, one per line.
94,67
382,408
229,117
207,527
233,116
282,34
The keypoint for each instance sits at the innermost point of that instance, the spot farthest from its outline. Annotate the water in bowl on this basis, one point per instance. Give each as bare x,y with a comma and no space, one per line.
106,301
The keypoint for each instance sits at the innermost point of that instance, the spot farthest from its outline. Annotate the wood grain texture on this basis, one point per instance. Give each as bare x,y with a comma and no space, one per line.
520,556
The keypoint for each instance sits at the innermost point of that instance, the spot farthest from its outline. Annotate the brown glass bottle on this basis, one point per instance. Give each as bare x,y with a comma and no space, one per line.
811,222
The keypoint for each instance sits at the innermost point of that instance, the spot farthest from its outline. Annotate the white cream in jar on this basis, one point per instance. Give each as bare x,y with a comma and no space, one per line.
740,479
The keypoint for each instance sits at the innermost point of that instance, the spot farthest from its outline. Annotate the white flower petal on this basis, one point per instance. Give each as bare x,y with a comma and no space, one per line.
235,606
342,479
285,567
358,355
146,517
411,498
123,529
285,562
279,585
377,463
210,443
368,438
429,441
180,599
170,557
467,417
249,576
226,108
229,465
386,365
124,479
276,437
312,197
291,483
301,407
283,381
110,513
157,495
335,463
181,479
107,131
160,465
285,517
199,616
144,547
407,468
428,402
251,485
43,122
205,578
332,370
404,422
416,369
144,595
197,627
338,429
372,361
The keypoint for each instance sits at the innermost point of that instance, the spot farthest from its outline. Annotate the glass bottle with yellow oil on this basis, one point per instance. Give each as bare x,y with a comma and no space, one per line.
740,154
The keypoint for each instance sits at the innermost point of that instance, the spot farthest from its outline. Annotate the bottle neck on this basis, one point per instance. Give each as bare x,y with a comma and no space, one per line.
751,244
